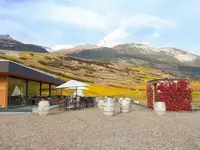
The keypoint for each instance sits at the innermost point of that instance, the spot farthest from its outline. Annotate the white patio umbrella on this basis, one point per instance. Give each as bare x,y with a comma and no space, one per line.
79,92
73,84
78,88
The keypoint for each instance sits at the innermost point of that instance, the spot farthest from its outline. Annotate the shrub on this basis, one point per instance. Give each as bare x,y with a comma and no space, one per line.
23,58
48,58
11,58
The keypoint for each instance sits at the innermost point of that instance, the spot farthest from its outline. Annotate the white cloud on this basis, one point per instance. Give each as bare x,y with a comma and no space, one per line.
54,11
146,20
76,16
129,26
53,22
62,46
115,37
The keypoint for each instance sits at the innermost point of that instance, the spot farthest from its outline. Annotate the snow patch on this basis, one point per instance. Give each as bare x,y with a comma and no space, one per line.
179,54
186,57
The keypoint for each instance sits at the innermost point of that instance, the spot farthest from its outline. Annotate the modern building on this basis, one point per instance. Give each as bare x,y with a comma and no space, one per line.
21,85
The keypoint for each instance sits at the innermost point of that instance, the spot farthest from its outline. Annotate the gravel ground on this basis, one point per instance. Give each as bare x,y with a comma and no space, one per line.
141,129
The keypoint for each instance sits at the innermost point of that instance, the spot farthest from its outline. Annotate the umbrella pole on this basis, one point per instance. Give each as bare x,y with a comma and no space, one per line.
76,91
76,97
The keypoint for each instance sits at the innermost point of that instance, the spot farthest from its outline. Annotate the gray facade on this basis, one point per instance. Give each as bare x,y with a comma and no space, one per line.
16,69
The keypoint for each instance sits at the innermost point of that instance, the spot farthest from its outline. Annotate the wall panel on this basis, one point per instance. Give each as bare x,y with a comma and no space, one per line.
3,91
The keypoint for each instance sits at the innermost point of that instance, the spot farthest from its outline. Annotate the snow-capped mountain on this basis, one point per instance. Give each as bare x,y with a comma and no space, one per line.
48,49
181,55
76,49
140,52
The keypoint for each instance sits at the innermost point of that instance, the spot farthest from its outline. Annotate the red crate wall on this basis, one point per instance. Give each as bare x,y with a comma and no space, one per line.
176,95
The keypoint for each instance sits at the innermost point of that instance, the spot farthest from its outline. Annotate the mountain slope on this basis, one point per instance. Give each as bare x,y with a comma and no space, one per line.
140,51
177,61
124,52
97,72
8,43
76,49
179,55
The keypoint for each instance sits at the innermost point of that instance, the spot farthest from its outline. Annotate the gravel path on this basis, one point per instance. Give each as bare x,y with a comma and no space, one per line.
88,129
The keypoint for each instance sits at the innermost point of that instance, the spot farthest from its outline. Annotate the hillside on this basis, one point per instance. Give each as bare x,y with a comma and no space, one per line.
177,61
142,52
76,49
106,78
8,43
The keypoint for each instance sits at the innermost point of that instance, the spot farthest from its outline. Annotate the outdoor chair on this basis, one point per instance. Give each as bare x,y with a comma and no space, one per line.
82,102
76,104
90,102
61,105
69,103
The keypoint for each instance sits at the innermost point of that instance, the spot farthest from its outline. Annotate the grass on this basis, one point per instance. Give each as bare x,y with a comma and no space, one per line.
11,58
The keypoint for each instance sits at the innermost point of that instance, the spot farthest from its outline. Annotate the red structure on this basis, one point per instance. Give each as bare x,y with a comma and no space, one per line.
174,92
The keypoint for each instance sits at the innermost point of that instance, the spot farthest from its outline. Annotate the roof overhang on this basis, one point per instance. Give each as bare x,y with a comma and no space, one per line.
18,70
164,80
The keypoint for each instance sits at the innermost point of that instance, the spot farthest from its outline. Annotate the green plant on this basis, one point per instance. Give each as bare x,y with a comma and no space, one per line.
11,58
48,58
23,58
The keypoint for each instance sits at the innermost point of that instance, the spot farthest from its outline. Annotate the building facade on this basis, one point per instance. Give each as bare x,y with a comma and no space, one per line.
23,86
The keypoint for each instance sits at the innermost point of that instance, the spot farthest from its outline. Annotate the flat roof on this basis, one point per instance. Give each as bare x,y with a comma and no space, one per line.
11,68
157,80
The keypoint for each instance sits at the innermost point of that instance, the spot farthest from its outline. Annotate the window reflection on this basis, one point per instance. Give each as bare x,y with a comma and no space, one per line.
18,96
33,88
45,89
54,91
16,91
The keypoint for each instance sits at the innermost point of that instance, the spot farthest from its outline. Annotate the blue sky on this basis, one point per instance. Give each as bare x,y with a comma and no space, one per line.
66,23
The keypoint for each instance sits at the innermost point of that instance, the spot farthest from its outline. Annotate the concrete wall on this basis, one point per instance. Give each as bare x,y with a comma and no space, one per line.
3,91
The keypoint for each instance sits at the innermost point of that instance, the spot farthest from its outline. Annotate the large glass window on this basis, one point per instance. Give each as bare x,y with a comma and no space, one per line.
45,89
59,91
16,91
33,88
54,91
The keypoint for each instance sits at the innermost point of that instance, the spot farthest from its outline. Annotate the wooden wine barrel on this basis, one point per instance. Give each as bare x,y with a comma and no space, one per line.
43,108
125,105
109,107
101,104
160,108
